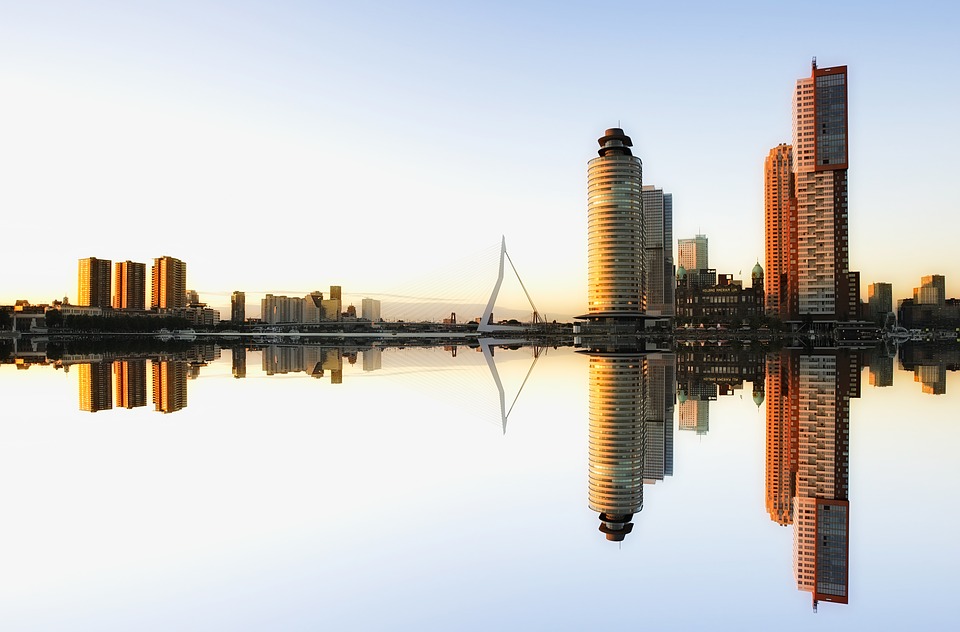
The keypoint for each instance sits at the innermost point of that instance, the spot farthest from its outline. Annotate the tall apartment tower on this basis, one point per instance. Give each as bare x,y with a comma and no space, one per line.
880,302
658,228
93,282
827,290
615,231
238,307
169,385
96,384
129,285
168,284
780,227
932,290
130,380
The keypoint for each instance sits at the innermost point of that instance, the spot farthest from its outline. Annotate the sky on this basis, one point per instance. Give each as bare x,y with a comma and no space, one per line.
290,146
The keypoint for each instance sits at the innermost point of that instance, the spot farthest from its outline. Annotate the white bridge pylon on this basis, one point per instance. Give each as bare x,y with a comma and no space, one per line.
486,324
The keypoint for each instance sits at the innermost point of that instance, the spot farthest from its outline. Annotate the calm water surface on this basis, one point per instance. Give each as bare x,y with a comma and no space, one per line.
300,488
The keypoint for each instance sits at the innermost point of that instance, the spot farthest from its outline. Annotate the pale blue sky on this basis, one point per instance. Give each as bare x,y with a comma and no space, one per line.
360,144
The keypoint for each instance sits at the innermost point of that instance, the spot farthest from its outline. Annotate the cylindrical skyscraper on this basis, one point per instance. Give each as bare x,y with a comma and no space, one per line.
616,239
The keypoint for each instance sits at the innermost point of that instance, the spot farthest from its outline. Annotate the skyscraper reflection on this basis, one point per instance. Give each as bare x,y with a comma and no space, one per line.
617,405
131,382
96,385
808,439
169,385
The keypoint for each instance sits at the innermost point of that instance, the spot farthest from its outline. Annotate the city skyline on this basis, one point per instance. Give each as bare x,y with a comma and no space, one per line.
260,118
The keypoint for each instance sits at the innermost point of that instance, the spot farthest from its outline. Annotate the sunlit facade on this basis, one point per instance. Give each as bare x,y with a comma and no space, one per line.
168,283
615,231
617,405
780,228
658,239
826,288
129,285
93,282
782,436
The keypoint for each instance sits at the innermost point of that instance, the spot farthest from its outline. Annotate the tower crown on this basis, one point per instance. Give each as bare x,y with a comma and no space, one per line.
614,141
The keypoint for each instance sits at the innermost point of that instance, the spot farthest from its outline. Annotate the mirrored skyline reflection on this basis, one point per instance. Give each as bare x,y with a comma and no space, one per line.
218,491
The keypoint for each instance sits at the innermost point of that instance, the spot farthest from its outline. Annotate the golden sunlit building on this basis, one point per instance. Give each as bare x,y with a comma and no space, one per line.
129,285
93,282
96,386
780,227
168,286
615,231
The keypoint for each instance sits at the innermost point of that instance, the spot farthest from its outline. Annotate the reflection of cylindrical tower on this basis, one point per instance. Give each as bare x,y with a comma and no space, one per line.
617,410
615,230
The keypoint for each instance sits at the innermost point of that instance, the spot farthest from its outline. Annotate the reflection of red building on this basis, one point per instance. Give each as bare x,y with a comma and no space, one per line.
821,510
808,425
782,436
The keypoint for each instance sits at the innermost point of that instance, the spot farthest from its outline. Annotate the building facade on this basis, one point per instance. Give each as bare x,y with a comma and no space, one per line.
658,230
168,286
932,290
692,253
725,302
879,302
370,310
93,282
238,307
616,243
826,289
780,231
129,285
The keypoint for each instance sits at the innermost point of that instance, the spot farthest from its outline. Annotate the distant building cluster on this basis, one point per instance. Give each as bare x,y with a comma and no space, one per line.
314,308
929,306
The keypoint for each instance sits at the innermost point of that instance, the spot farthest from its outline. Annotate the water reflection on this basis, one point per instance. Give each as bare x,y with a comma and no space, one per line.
636,398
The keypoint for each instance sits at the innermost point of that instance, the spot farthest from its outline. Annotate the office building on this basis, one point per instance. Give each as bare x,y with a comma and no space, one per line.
692,253
880,302
616,258
193,297
129,285
238,307
239,359
932,291
658,231
93,282
827,290
168,287
370,310
780,228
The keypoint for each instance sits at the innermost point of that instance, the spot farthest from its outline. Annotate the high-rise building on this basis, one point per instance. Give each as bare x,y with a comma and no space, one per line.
932,291
880,302
193,297
96,385
93,282
238,307
780,227
660,395
658,228
782,390
616,242
370,310
692,253
168,284
130,382
129,285
826,288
